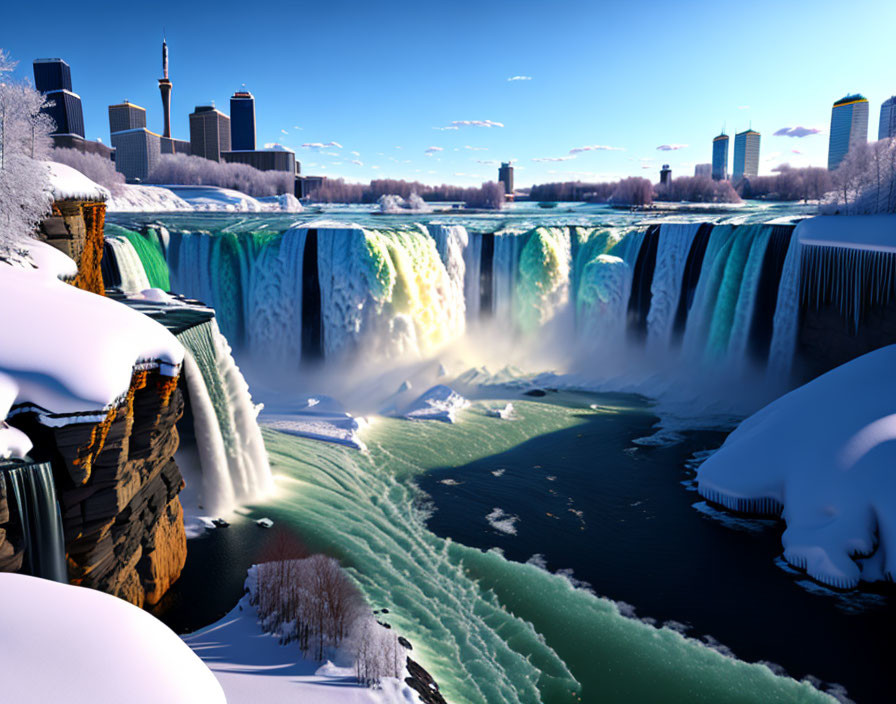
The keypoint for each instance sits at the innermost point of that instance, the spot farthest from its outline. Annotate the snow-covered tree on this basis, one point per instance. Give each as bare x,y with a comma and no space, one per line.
186,170
865,181
97,168
25,197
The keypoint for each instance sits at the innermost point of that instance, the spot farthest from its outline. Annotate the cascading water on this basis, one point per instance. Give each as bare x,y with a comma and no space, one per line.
232,457
34,495
131,274
673,246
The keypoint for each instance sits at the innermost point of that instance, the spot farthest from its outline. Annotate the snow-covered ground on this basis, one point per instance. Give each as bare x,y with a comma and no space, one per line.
142,198
438,403
826,452
62,643
81,356
318,417
70,184
253,667
865,232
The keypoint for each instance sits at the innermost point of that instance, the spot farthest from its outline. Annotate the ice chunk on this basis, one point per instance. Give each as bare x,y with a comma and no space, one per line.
438,403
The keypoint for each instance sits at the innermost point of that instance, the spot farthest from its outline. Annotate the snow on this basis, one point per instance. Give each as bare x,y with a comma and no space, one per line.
824,452
438,403
143,198
319,418
82,355
867,232
505,413
154,199
67,183
253,667
72,644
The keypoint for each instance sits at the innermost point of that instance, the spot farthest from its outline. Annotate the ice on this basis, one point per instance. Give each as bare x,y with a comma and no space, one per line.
825,453
505,413
438,403
62,642
320,418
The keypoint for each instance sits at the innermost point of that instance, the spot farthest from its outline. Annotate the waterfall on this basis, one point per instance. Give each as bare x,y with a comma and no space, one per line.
232,457
542,288
673,247
642,278
472,277
131,274
34,495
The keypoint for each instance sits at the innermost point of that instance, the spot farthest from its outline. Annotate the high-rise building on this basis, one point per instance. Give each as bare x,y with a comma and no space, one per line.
242,121
505,176
126,116
281,159
665,174
209,132
887,126
137,151
849,127
165,89
53,78
703,170
720,157
746,154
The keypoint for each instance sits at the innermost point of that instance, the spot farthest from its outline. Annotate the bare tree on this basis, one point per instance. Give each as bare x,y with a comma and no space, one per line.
186,170
98,169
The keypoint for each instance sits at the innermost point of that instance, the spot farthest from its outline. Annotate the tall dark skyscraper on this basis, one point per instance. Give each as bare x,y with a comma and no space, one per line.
242,121
505,176
165,89
53,78
720,157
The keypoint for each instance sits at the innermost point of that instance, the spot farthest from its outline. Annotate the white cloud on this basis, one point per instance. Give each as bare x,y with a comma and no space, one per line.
554,158
284,131
356,153
595,147
520,78
457,124
487,162
433,150
296,127
357,162
321,145
476,149
671,147
743,107
799,131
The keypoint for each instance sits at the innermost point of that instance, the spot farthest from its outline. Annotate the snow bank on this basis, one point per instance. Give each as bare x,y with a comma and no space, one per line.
438,403
868,232
505,413
825,452
81,356
253,667
67,183
285,203
213,198
66,643
153,199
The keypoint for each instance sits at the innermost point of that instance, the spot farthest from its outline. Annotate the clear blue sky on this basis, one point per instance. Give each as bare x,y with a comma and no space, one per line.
379,78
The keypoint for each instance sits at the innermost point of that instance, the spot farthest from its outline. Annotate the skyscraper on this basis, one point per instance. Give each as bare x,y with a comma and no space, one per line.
665,174
720,157
746,154
53,77
849,127
505,176
165,89
887,126
126,116
137,150
242,121
209,132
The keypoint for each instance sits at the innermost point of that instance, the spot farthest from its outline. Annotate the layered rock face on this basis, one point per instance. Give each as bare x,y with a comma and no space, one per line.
10,549
76,229
118,486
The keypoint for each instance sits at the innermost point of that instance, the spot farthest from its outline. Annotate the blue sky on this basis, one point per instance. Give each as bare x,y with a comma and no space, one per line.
380,79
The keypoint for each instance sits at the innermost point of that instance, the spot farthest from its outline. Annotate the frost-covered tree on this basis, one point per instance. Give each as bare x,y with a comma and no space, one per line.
696,189
24,139
187,170
632,191
97,168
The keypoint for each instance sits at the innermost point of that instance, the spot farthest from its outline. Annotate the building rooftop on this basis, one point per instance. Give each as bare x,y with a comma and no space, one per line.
128,104
721,136
242,94
848,99
750,131
50,61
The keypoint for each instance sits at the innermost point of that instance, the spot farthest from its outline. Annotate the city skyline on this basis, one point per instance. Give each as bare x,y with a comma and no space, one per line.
456,114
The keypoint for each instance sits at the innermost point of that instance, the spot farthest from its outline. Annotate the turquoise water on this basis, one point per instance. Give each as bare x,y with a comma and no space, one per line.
490,630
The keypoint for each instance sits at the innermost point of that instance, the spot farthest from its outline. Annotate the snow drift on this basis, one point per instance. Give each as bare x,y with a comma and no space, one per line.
823,455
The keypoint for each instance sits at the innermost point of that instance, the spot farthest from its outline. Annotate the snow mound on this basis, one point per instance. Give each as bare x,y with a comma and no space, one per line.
81,357
867,232
285,203
321,418
505,413
67,183
824,453
152,199
438,403
72,644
